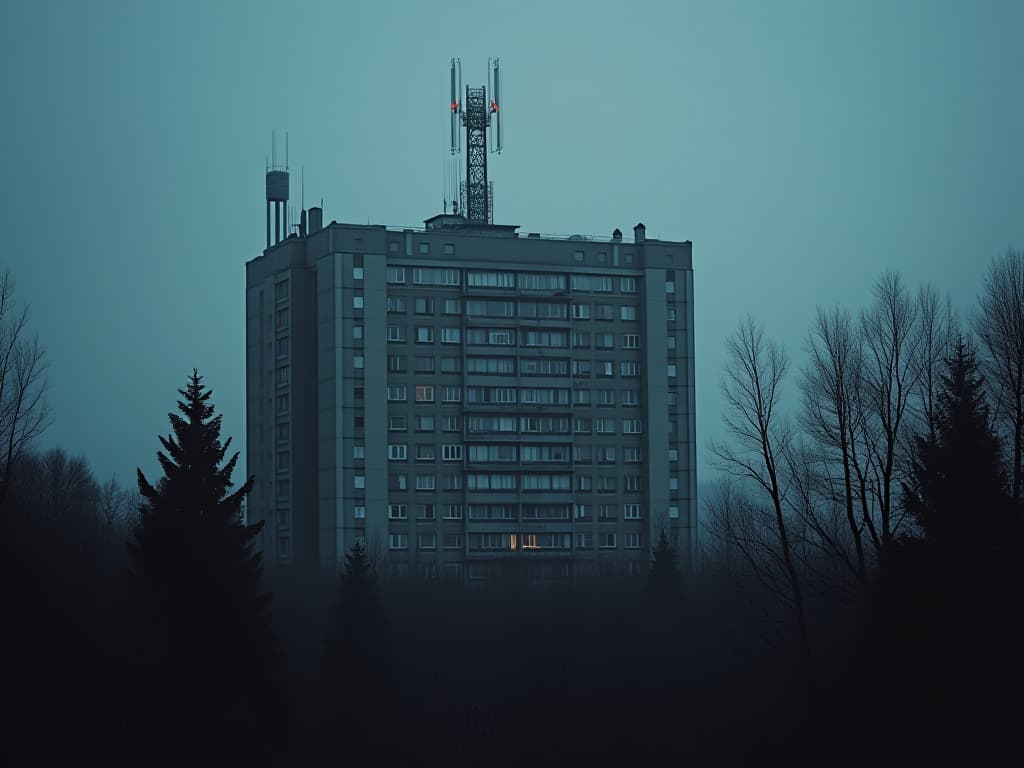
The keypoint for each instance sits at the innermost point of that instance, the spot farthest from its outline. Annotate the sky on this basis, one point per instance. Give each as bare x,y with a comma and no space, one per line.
803,147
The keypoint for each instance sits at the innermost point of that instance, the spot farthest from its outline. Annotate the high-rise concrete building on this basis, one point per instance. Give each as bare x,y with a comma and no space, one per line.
465,397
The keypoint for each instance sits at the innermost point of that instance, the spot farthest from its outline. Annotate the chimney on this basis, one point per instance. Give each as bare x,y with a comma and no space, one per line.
302,224
617,235
316,220
639,233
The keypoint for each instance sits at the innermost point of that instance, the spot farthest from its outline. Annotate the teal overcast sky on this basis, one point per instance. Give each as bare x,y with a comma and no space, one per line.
803,147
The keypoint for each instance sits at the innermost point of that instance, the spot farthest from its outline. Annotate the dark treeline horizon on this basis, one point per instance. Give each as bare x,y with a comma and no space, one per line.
855,601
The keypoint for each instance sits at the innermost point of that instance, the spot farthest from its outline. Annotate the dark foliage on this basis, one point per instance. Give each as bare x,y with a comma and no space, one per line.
207,654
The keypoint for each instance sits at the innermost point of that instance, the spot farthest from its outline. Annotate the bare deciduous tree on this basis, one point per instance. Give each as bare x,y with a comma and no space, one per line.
889,376
752,386
23,411
999,323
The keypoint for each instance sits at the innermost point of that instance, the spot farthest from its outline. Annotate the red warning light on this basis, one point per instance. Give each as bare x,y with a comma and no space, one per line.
494,106
455,106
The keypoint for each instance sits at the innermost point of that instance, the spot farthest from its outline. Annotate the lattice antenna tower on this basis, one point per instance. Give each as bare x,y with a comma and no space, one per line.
477,116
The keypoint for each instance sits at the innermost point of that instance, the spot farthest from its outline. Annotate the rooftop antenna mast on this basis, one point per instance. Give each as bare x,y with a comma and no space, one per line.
476,114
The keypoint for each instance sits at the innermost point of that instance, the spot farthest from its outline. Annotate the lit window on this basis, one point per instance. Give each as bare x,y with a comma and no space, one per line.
357,302
673,483
670,286
424,394
359,481
357,273
359,512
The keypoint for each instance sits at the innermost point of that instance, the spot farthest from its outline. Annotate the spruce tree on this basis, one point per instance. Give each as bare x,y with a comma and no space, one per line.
663,577
959,492
210,661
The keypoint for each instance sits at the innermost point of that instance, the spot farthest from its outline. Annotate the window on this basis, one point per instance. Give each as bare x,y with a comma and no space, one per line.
547,482
671,342
396,275
451,307
582,425
393,246
673,454
396,364
450,394
543,366
630,340
490,482
453,541
606,369
281,347
606,426
449,249
359,512
424,248
671,370
282,460
451,364
424,511
604,312
606,540
632,426
426,482
357,331
426,541
424,306
582,454
453,512
634,483
584,482
670,286
478,279
424,423
584,541
673,513
427,276
424,393
358,451
281,290
452,482
582,368
397,423
582,511
359,482
396,304
605,397
480,425
606,484
581,397
606,512
490,394
424,364
627,312
358,361
426,452
577,256
605,453
631,511
398,541
541,281
452,424
451,453
282,319
282,431
631,540
602,257
282,375
424,334
491,366
398,482
581,311
357,302
672,398
540,454
451,335
629,368
671,314
530,338
396,333
492,454
358,391
544,310
673,483
495,337
581,339
627,284
632,454
596,283
282,404
357,273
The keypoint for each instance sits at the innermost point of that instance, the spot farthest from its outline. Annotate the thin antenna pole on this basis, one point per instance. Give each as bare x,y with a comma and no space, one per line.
286,150
302,186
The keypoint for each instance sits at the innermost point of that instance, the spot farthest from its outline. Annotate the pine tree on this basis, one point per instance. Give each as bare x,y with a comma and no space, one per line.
959,491
663,577
210,662
354,679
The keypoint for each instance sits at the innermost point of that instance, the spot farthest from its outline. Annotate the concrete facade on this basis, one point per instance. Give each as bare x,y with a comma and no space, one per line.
461,398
